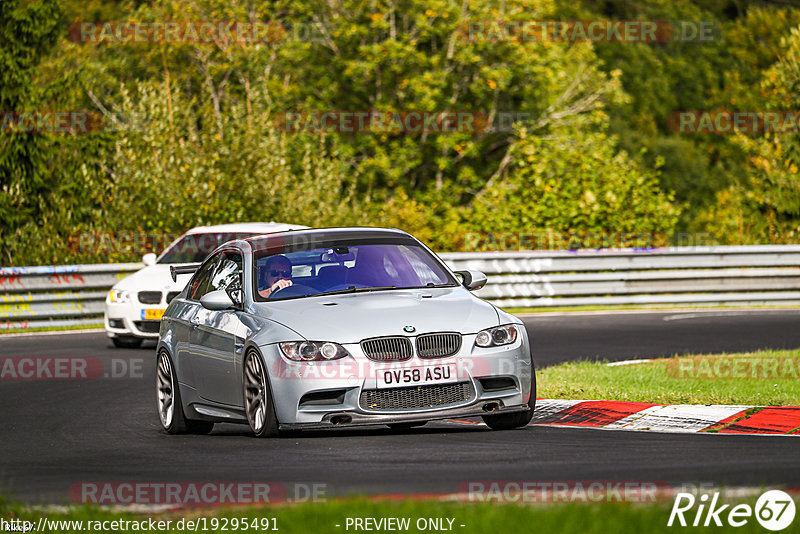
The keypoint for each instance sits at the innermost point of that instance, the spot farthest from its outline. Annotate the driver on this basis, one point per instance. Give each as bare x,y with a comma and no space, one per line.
279,275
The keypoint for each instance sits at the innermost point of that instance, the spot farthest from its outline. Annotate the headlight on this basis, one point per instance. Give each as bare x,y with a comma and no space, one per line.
494,337
118,296
307,351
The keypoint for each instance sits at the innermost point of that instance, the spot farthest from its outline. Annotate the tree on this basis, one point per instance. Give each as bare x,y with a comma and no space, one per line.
575,183
765,206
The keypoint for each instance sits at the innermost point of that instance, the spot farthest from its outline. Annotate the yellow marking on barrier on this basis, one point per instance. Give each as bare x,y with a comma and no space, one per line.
15,309
17,298
68,305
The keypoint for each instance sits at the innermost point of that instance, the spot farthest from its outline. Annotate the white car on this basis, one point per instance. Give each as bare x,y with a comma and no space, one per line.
135,304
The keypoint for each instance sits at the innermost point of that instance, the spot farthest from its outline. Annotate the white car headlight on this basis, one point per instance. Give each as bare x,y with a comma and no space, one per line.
494,337
307,351
118,296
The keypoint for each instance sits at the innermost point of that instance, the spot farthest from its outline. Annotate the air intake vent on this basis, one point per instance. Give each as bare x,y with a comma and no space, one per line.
416,397
150,327
497,383
387,349
438,345
150,297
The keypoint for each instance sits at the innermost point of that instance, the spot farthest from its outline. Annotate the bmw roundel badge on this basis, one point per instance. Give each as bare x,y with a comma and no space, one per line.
409,329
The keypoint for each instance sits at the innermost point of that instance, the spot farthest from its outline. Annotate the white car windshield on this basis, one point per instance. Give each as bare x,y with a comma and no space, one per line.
194,248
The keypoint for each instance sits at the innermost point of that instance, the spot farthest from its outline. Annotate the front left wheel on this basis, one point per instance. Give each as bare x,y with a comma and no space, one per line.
258,405
168,397
508,421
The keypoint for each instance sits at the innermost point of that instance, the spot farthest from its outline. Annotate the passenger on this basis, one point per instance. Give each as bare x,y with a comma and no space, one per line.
278,275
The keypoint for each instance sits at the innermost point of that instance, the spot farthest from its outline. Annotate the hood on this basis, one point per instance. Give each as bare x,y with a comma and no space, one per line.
349,318
153,278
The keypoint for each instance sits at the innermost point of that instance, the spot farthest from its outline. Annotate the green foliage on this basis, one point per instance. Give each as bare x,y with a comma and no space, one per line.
721,73
575,510
765,206
660,381
191,138
575,182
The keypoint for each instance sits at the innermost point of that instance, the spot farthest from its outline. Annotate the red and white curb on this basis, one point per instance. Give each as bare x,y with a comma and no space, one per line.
684,418
678,418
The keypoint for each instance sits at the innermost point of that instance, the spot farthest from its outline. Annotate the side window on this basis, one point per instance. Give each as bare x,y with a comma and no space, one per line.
228,274
201,279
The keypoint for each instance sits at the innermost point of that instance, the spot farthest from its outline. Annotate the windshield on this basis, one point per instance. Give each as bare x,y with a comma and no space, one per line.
194,248
345,269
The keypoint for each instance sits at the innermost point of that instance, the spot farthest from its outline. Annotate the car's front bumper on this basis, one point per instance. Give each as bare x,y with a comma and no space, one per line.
349,419
127,320
348,379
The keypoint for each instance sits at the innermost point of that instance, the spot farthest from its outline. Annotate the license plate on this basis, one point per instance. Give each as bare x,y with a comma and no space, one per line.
416,376
152,315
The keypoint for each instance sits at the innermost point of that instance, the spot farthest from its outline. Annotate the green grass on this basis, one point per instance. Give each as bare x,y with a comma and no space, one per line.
479,518
659,381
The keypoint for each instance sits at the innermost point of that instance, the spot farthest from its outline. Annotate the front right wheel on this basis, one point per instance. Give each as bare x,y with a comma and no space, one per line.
258,405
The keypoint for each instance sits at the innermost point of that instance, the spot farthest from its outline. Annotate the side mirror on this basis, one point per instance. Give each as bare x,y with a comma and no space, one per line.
472,280
235,296
216,300
149,259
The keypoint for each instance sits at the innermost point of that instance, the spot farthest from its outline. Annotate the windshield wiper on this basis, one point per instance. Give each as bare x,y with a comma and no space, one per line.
373,288
354,289
431,285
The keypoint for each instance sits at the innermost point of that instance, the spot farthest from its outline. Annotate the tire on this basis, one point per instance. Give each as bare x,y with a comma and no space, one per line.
258,405
509,421
406,426
127,342
168,401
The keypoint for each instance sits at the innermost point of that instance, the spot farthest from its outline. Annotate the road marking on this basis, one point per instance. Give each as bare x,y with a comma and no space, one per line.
676,418
629,362
54,333
682,316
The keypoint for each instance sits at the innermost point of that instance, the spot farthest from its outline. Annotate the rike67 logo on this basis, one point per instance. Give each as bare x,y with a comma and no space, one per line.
774,510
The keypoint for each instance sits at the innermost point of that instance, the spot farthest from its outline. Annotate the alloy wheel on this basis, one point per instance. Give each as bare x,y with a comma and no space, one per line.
255,388
165,384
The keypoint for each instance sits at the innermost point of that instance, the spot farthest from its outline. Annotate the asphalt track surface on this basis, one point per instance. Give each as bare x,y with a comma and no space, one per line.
58,433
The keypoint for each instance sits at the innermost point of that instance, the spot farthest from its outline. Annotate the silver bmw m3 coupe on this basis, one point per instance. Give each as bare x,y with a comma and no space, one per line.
315,329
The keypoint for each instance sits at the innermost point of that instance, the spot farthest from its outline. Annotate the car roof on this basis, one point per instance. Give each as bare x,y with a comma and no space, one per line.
249,227
322,234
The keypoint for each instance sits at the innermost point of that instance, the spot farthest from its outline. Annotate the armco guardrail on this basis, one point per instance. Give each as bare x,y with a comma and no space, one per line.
741,275
65,295
748,275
